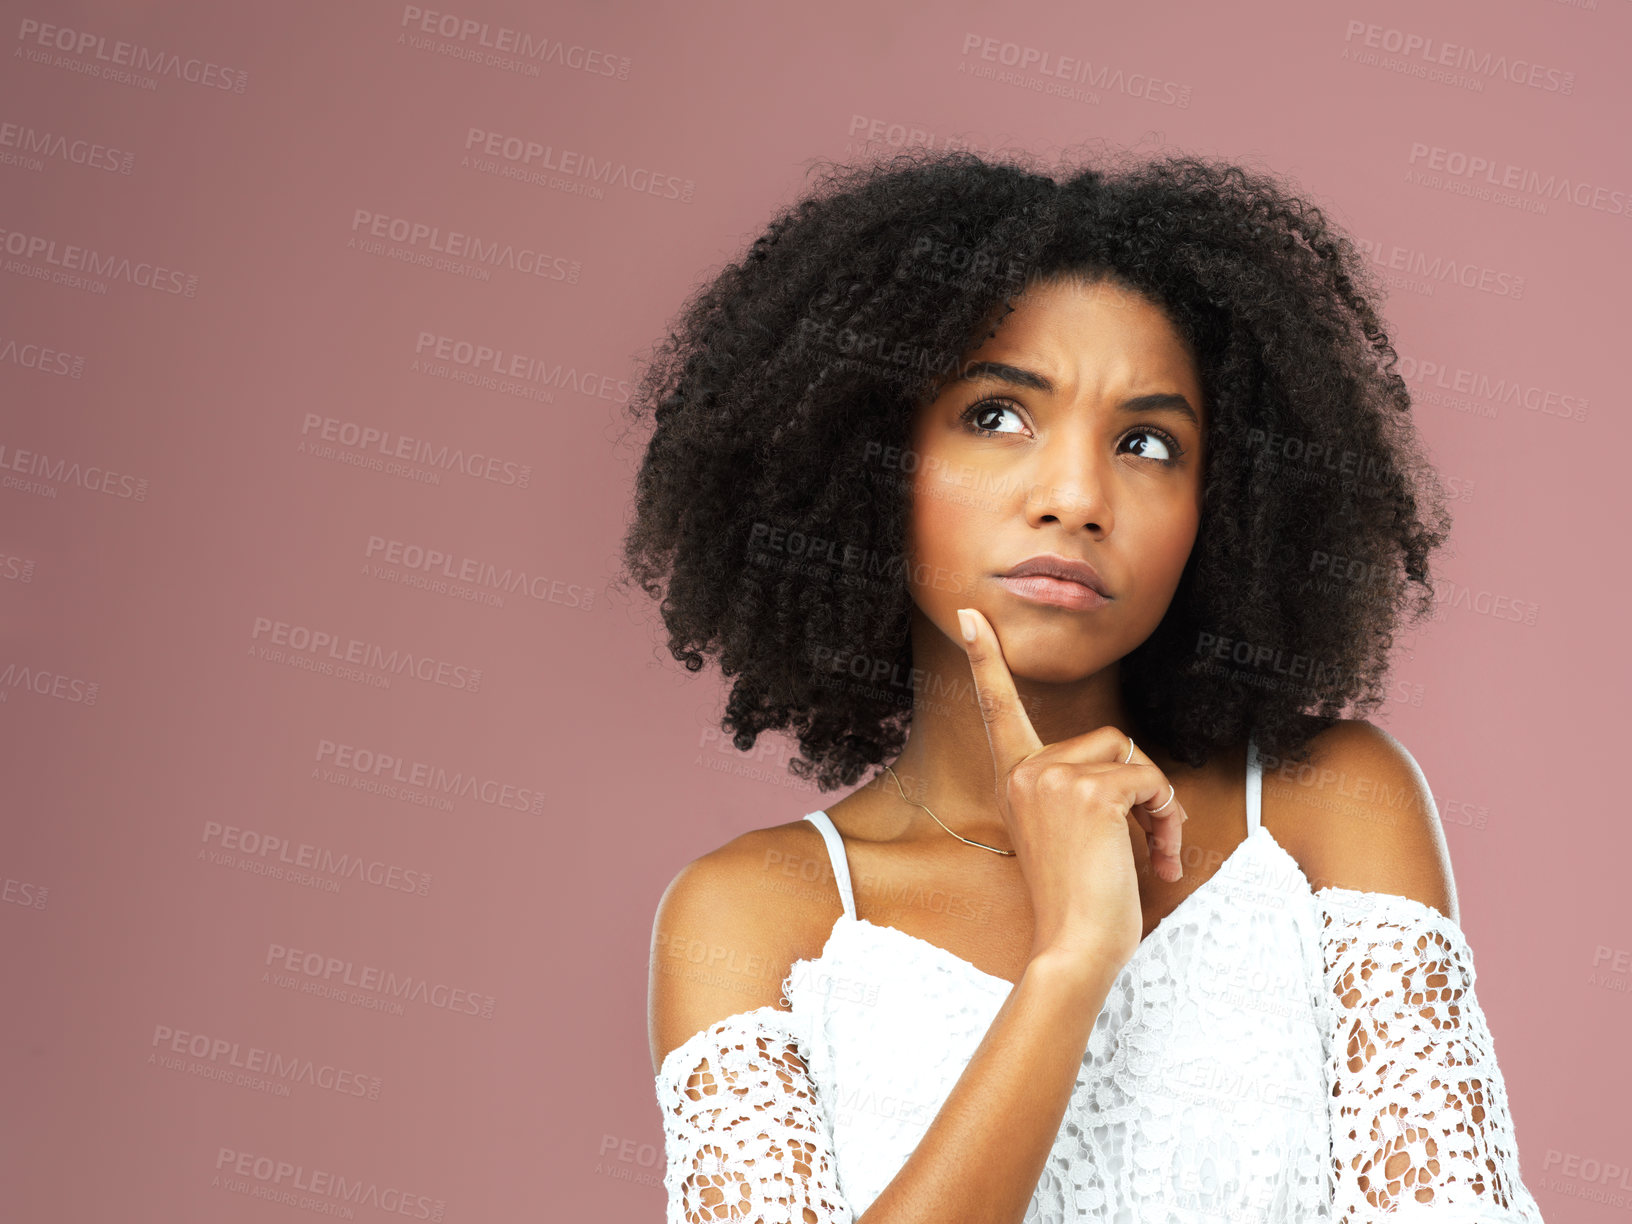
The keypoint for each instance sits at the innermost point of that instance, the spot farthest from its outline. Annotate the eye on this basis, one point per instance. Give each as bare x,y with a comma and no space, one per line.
1170,448
992,410
986,408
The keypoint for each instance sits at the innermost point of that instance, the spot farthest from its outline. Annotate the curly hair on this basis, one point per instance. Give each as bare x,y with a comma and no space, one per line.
786,376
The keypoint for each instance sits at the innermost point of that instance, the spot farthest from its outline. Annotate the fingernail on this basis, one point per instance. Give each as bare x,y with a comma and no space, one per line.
966,625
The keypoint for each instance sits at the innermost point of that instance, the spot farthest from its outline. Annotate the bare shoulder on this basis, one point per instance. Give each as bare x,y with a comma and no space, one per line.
730,925
1359,814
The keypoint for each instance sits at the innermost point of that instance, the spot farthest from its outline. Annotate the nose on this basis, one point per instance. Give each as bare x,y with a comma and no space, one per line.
1070,485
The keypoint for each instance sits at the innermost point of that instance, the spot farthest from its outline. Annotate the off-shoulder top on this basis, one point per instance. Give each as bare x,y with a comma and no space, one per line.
1269,1053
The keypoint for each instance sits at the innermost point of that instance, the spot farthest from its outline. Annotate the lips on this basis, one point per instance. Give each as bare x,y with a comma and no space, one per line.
1067,569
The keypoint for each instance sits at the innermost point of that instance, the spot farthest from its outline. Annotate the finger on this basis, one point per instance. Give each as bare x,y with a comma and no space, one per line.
1107,745
1143,786
1143,820
1105,749
1008,729
1165,829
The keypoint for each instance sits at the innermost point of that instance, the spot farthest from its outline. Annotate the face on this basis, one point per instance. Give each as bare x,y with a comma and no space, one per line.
1079,433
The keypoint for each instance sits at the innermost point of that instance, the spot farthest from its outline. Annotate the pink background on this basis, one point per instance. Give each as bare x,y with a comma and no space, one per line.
210,823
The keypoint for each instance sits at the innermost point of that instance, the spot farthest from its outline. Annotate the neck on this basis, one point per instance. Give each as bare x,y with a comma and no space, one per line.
947,761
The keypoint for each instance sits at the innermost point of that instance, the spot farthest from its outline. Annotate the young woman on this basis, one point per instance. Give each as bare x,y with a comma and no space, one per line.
1089,501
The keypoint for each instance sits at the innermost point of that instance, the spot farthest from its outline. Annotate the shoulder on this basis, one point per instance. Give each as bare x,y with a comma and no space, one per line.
1359,814
729,926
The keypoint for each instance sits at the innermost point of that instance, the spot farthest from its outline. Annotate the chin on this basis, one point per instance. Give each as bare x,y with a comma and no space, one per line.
1037,658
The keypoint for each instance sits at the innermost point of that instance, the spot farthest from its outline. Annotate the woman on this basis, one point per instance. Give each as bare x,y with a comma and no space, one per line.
1089,501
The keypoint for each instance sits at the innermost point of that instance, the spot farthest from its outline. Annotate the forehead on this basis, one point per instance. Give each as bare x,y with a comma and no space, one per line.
1073,330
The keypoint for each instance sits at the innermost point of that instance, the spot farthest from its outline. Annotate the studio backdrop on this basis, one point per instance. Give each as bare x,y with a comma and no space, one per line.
342,778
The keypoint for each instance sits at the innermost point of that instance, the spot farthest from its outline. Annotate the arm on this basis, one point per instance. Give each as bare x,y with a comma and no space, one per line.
743,1131
1420,1126
747,1136
1419,1116
980,1159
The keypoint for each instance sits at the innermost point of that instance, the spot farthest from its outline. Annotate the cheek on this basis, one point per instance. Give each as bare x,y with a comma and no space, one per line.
944,529
1168,550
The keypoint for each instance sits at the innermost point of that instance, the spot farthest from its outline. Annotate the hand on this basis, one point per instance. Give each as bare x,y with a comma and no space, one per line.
1067,807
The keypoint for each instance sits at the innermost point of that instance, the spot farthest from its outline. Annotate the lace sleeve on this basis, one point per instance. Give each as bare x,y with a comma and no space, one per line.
745,1135
1420,1126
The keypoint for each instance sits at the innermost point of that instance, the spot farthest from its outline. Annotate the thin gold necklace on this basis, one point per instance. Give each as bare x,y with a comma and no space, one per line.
938,820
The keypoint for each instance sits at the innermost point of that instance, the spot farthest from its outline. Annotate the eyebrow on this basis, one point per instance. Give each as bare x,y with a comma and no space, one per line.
1018,376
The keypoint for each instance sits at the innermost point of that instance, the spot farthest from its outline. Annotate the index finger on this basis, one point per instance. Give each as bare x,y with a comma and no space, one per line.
1008,729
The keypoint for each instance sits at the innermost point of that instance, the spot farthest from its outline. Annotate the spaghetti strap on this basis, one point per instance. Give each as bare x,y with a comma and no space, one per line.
1255,787
835,852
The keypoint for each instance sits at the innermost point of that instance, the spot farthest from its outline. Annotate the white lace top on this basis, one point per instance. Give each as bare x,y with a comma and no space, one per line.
1269,1053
